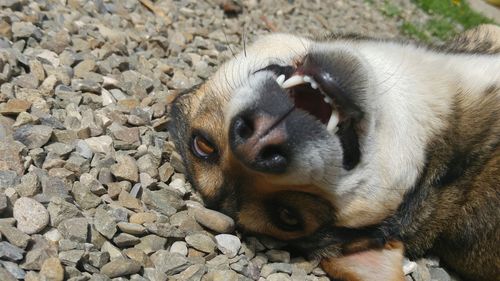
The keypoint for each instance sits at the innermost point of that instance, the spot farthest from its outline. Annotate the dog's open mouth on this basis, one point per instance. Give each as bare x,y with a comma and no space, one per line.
308,96
317,92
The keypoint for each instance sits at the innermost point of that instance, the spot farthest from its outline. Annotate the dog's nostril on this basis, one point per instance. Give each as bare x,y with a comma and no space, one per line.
243,128
272,159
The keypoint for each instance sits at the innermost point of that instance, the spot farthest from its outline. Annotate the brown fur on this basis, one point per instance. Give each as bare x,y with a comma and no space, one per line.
452,211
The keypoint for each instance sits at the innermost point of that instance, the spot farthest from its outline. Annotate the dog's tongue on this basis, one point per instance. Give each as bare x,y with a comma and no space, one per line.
377,264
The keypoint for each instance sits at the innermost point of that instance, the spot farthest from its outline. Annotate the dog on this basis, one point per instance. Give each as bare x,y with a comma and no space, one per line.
354,149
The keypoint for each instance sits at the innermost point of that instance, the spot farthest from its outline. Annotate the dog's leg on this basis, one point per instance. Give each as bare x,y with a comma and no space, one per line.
378,264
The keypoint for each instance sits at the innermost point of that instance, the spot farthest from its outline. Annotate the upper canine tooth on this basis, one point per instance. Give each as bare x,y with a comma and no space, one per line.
293,81
311,81
333,122
280,80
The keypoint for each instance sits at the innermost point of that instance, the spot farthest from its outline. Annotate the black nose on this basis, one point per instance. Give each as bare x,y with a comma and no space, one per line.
259,141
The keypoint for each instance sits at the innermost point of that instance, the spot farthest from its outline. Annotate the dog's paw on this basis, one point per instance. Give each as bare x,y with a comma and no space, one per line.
378,264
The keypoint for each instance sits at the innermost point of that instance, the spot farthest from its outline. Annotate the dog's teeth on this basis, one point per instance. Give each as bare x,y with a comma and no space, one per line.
310,80
333,122
328,100
280,80
293,81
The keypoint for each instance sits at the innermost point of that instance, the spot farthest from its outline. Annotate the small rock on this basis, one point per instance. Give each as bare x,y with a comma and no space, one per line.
179,247
164,201
151,243
278,256
84,67
5,275
14,236
214,220
13,269
165,172
53,235
15,106
60,210
31,216
124,240
104,223
129,202
52,270
113,251
71,257
271,268
101,144
74,229
141,218
98,259
33,136
84,149
120,267
10,252
193,272
85,199
138,255
125,169
29,185
169,263
228,244
132,228
201,242
278,277
222,275
23,29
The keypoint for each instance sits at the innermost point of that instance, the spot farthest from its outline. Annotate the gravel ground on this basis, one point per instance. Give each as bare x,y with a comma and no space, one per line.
90,188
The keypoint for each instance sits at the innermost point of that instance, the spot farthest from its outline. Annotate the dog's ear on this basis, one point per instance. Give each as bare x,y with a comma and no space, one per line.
377,264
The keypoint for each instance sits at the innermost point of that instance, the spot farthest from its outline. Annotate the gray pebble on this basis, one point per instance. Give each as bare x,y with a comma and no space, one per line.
214,220
33,136
169,263
201,242
151,243
10,252
74,229
121,267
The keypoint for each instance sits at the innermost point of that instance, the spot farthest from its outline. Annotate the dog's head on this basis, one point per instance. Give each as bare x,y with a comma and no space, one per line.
293,137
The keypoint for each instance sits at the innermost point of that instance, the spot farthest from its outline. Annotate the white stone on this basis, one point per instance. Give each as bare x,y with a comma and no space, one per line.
31,216
179,247
100,144
53,235
228,244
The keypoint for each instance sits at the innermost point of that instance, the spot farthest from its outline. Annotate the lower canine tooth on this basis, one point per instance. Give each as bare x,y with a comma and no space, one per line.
293,81
280,79
333,122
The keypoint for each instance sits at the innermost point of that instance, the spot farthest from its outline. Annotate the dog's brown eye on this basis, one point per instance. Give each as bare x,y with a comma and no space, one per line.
202,148
287,217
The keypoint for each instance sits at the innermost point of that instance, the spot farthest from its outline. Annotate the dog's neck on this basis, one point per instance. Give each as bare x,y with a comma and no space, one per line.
413,96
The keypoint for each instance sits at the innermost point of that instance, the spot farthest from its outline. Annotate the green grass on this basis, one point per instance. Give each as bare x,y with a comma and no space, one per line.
456,10
447,18
390,10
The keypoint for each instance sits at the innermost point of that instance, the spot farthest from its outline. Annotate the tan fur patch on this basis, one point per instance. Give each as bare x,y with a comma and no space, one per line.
379,264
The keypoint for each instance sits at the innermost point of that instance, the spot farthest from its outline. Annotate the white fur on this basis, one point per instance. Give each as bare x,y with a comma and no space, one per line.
409,98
